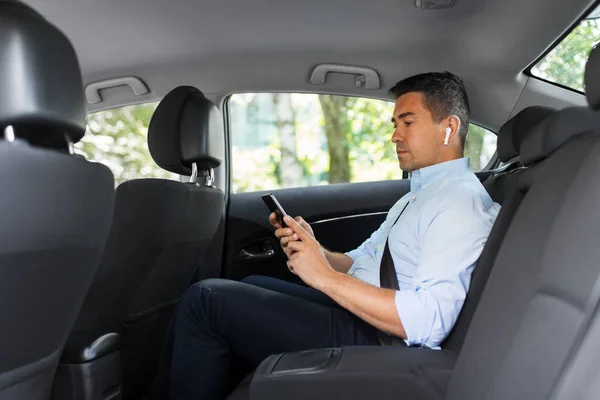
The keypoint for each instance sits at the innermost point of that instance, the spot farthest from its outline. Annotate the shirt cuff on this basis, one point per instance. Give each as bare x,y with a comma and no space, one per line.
410,311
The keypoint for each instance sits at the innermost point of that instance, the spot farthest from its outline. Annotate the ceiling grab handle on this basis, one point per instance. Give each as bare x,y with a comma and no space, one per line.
92,91
365,77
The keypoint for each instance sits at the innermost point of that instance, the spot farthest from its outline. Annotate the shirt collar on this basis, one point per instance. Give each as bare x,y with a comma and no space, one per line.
421,177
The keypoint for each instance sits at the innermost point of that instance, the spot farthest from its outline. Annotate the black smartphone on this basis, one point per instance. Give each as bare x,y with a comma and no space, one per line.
275,207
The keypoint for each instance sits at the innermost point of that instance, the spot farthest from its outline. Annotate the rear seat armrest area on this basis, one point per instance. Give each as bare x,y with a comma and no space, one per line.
354,373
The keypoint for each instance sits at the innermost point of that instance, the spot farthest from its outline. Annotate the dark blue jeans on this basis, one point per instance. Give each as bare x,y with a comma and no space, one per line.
221,320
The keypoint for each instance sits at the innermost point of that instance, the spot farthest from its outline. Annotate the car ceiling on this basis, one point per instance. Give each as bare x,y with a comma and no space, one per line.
229,46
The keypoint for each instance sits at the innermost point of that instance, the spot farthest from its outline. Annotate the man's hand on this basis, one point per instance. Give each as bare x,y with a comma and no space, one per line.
307,258
285,235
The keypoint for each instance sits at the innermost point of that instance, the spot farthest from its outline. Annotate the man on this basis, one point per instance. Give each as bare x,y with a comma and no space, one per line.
435,234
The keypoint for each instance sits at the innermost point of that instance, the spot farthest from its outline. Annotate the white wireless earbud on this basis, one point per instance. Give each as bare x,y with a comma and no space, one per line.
448,131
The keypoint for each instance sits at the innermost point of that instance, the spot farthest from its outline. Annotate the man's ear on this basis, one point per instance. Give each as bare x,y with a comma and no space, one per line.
454,123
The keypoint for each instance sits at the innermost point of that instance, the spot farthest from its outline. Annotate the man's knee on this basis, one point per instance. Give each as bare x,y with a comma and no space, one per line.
257,280
200,290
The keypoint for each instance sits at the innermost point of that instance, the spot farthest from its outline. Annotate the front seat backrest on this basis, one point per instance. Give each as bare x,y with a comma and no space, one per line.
55,208
533,307
160,234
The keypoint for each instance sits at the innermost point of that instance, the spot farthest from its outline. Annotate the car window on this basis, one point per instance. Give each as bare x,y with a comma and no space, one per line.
480,146
285,140
117,138
565,63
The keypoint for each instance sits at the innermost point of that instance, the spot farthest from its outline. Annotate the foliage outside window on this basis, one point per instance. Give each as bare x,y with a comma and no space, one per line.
283,140
117,138
565,64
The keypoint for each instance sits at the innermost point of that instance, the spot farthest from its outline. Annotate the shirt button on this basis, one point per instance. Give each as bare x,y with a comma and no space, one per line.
414,198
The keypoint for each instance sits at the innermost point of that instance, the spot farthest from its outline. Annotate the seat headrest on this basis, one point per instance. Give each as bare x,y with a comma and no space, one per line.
555,131
513,132
41,95
186,128
592,78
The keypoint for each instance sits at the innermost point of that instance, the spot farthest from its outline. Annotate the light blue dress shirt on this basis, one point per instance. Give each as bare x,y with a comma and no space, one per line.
434,245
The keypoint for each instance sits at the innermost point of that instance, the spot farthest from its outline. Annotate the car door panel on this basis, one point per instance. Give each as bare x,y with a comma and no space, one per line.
341,215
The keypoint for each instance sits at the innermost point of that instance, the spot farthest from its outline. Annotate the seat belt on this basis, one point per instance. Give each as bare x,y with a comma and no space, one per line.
389,280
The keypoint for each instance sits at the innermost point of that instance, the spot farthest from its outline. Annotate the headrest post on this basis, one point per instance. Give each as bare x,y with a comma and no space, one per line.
194,173
70,146
9,134
209,177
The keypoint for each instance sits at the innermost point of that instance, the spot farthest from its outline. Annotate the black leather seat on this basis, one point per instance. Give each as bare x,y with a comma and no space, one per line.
55,208
540,299
160,234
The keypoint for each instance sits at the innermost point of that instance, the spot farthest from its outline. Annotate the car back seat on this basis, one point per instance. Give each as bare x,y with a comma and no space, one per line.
500,185
533,311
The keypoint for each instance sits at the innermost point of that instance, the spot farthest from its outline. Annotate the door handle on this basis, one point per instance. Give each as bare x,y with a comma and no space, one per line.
246,255
260,250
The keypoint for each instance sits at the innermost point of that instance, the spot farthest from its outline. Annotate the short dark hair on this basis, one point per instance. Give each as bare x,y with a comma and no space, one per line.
444,94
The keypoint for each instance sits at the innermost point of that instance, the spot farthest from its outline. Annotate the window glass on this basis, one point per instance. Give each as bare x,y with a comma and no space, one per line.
480,146
117,138
565,63
283,140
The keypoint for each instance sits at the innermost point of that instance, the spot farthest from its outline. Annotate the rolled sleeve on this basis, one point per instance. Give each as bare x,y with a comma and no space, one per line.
358,252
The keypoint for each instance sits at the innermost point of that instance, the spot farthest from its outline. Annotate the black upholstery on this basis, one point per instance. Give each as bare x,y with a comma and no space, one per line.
510,138
161,231
43,65
55,208
186,128
417,374
515,129
580,376
526,322
550,134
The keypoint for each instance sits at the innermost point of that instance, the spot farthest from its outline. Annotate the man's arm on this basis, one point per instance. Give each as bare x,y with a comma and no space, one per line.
374,305
339,261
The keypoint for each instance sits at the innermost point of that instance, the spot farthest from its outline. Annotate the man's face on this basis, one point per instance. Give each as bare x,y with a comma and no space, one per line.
417,137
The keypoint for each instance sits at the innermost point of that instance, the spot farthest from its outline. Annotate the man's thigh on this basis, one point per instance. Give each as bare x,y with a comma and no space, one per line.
255,322
292,289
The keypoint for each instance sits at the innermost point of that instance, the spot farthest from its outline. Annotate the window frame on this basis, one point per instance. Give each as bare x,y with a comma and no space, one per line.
527,71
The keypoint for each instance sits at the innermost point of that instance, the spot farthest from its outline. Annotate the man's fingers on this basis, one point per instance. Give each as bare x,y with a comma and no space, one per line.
302,234
284,240
291,268
273,220
295,245
283,232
